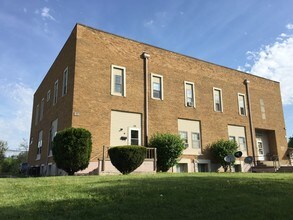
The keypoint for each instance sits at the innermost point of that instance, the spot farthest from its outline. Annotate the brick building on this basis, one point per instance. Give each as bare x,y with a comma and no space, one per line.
124,91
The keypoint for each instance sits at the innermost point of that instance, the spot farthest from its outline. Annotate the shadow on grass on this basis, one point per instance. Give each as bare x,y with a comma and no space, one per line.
166,197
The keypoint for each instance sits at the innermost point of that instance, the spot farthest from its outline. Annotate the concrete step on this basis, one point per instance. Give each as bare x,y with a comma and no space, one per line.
263,169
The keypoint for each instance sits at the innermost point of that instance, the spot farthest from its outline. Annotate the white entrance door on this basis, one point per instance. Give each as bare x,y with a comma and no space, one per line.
260,149
134,136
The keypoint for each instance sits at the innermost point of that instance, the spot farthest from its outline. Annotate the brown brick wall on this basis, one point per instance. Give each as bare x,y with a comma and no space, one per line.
62,109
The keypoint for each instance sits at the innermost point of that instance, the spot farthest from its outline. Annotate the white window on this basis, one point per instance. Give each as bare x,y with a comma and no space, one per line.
242,143
65,80
42,109
218,102
118,80
134,136
48,95
40,144
262,109
241,104
37,114
157,86
184,137
195,137
52,134
55,98
189,94
232,138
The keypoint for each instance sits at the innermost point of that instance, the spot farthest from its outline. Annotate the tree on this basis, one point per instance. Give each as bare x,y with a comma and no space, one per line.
169,148
290,143
3,149
220,149
72,149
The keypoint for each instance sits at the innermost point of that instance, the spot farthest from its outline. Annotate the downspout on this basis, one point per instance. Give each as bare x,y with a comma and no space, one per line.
246,82
146,56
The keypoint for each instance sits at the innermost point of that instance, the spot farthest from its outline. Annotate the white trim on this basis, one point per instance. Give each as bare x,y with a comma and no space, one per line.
48,95
162,86
244,98
129,135
37,114
55,95
42,109
193,93
65,81
221,98
123,80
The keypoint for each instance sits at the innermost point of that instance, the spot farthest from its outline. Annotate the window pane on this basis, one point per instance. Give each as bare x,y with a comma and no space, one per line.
232,138
134,134
195,140
118,88
118,79
156,86
134,141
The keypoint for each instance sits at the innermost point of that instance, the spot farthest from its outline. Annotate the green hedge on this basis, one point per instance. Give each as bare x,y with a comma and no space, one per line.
127,158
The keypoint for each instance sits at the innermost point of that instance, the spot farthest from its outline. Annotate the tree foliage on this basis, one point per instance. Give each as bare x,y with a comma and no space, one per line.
169,148
72,149
127,158
290,143
222,148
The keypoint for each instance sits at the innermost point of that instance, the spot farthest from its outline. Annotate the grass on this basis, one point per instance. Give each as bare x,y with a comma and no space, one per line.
160,196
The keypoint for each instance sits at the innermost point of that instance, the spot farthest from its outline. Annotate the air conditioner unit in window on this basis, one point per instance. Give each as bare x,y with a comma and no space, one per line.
190,104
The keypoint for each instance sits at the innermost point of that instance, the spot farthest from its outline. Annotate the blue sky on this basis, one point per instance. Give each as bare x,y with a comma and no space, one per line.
252,36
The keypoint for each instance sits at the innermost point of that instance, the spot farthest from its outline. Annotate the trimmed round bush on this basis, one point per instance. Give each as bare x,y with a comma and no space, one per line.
72,149
169,149
127,158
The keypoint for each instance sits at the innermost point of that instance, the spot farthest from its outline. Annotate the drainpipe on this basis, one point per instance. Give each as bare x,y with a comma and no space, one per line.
246,82
146,56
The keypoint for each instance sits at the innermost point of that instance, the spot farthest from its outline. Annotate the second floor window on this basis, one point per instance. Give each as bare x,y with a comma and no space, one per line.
37,114
55,97
42,109
118,80
40,143
241,104
157,86
218,103
65,80
189,94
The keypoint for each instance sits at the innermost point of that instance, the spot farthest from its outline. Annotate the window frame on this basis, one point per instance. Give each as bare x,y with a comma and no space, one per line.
48,95
153,75
65,82
199,141
244,103
113,92
42,109
39,145
244,142
193,93
186,143
221,99
55,96
129,135
37,114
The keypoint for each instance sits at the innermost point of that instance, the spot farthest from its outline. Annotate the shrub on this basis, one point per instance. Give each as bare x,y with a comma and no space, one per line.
290,143
72,149
127,158
220,149
169,148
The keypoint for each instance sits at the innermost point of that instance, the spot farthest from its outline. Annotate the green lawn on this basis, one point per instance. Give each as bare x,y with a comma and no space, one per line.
159,196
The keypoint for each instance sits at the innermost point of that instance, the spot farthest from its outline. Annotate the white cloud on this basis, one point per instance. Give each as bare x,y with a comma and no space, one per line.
15,118
289,26
46,15
274,62
149,23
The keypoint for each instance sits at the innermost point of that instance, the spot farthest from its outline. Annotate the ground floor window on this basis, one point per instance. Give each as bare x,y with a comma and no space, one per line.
203,167
181,168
